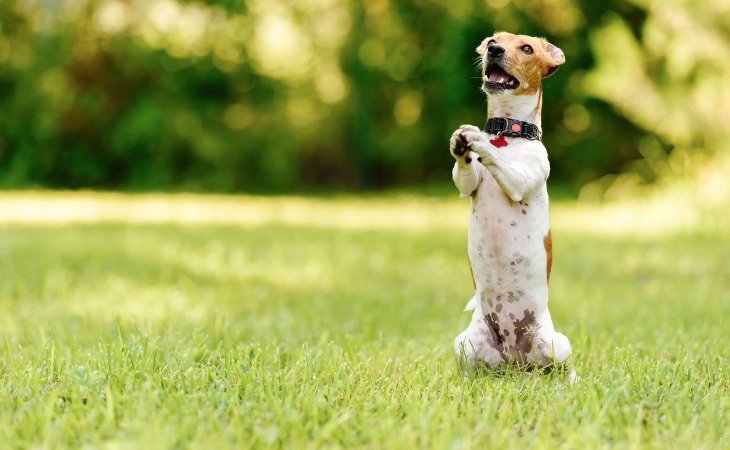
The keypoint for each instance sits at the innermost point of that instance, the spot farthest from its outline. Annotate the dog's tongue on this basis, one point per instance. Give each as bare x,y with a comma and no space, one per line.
498,75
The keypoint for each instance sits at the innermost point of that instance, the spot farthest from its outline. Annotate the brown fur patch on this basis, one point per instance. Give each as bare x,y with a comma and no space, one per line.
496,341
548,243
524,331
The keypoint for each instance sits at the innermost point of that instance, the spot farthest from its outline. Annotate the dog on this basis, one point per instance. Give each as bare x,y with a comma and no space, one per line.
504,170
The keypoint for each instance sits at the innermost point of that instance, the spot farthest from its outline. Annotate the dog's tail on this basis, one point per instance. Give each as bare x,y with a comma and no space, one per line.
472,305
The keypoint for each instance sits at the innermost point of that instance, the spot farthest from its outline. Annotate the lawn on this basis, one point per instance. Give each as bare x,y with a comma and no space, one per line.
156,321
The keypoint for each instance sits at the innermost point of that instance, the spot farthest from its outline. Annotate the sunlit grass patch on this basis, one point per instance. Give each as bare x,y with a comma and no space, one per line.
350,212
681,210
160,321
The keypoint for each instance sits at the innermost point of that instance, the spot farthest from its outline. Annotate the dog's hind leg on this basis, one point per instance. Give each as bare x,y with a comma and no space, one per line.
472,346
555,350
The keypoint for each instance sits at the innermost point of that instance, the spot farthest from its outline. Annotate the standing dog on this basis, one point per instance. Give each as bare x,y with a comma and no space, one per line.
504,169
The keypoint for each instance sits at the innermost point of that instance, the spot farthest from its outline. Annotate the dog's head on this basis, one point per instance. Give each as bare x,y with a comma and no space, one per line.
516,64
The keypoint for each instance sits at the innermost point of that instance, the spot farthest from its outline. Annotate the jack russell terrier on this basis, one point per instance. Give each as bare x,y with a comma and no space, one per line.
504,169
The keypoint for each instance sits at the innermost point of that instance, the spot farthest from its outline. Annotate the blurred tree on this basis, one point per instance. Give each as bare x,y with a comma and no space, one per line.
273,95
672,79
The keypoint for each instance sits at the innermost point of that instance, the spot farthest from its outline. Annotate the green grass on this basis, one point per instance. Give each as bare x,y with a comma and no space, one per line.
216,322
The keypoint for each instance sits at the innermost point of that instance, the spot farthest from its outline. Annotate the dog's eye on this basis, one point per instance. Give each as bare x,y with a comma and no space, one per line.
491,42
527,49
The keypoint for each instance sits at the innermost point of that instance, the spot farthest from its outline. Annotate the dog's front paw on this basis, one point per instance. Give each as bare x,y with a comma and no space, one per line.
461,139
472,134
476,141
457,144
469,128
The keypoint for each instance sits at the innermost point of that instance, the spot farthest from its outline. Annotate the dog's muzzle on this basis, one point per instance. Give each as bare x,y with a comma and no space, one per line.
496,78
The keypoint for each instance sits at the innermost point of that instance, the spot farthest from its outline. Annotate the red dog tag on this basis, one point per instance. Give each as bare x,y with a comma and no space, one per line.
499,142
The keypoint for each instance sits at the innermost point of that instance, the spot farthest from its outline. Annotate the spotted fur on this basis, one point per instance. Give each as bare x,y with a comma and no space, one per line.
510,244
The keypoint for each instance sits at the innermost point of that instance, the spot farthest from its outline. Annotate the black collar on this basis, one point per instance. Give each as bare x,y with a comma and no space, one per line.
504,126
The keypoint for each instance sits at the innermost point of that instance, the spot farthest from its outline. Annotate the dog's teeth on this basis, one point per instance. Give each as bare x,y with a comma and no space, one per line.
501,80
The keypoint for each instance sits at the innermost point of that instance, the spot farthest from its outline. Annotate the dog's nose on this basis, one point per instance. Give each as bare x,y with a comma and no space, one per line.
495,50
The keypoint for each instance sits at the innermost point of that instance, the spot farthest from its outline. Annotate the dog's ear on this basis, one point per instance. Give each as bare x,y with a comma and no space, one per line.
482,49
555,57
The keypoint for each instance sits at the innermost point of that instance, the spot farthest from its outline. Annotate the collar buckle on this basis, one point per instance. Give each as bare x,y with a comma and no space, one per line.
504,129
532,134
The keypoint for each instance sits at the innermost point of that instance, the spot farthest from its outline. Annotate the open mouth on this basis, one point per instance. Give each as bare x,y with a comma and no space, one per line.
497,78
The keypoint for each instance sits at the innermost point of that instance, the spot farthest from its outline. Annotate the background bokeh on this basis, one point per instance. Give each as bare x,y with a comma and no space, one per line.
271,96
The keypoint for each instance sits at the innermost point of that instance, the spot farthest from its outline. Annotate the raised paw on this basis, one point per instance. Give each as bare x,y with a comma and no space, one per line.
458,144
469,128
461,139
477,142
472,134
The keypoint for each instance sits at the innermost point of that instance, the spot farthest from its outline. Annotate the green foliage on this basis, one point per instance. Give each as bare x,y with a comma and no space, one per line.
267,95
670,80
337,333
